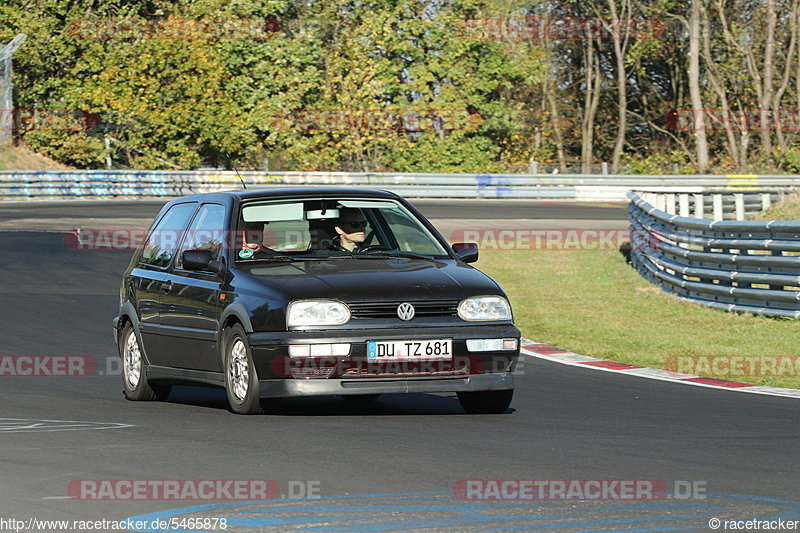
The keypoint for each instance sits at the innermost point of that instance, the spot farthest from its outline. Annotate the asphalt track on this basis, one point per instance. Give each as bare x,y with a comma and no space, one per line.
451,208
387,466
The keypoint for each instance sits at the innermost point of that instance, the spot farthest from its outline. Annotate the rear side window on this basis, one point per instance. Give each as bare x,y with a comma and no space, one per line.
163,240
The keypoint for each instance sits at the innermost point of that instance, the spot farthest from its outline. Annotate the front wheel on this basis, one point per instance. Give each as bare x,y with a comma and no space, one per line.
241,380
486,402
134,374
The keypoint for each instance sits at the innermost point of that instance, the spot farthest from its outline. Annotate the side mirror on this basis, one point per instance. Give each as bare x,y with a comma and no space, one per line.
466,251
200,260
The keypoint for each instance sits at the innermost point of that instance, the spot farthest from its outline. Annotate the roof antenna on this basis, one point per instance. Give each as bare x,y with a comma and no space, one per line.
237,172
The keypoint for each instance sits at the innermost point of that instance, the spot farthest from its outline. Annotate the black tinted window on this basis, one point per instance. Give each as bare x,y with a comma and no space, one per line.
163,239
323,227
207,232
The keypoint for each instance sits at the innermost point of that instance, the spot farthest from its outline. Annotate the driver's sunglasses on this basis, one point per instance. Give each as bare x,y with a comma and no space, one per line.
359,224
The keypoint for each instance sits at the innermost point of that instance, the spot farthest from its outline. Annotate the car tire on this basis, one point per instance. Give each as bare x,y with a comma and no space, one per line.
486,402
134,374
241,379
361,397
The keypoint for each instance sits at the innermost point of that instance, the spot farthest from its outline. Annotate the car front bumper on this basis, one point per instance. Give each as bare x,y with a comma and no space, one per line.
317,387
354,374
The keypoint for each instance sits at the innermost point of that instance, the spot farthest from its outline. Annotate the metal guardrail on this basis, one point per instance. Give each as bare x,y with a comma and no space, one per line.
123,184
63,184
720,205
736,265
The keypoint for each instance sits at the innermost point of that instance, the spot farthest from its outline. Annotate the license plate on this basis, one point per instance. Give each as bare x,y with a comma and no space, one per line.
393,350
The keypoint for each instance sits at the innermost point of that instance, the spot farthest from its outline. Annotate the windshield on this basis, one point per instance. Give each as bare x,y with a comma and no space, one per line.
282,230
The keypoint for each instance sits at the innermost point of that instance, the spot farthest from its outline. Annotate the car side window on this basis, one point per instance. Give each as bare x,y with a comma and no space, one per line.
409,234
162,241
207,232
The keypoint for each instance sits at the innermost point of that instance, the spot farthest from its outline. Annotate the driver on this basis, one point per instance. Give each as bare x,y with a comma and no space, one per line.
350,230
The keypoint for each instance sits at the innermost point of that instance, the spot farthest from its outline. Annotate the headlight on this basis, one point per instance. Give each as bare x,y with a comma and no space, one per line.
484,308
316,313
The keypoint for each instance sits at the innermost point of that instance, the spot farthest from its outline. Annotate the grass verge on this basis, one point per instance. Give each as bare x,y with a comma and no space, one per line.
594,303
22,158
786,209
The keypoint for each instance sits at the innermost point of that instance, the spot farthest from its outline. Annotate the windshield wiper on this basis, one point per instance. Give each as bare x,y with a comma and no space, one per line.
389,254
407,255
277,257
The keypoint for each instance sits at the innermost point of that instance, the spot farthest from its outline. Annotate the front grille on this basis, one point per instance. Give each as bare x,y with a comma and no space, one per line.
389,309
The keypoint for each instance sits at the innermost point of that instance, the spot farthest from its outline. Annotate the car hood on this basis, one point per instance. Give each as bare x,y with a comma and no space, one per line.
372,280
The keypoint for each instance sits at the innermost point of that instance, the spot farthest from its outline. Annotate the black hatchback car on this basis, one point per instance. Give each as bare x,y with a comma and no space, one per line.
281,293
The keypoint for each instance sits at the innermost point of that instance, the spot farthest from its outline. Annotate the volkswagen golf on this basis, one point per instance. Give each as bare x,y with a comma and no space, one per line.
299,292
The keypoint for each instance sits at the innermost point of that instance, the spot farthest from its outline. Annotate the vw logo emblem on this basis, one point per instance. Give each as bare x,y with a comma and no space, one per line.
405,311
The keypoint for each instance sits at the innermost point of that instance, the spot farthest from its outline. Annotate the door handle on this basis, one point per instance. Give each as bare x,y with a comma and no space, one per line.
166,286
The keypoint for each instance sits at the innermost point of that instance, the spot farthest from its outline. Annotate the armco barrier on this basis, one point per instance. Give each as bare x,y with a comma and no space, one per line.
719,205
736,265
65,184
126,184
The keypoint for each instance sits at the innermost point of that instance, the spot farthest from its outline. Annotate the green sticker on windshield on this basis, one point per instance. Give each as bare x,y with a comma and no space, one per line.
247,253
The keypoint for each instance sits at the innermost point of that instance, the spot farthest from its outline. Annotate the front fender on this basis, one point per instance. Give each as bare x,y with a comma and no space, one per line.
237,310
234,310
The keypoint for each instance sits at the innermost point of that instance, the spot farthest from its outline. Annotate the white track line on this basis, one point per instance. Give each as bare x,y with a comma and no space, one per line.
529,348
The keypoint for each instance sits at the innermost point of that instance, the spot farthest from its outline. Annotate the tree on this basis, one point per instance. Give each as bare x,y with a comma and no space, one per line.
698,111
